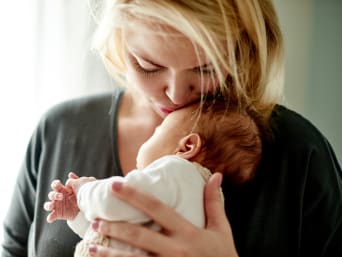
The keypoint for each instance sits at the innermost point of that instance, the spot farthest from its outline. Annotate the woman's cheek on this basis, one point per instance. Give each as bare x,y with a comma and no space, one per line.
135,79
151,87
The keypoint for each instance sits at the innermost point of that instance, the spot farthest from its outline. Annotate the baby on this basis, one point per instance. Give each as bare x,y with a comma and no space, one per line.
173,165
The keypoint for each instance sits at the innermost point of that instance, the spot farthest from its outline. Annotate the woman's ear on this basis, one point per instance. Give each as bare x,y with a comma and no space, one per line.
189,146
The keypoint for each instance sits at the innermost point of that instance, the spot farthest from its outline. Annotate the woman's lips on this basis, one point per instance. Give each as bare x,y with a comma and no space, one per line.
167,110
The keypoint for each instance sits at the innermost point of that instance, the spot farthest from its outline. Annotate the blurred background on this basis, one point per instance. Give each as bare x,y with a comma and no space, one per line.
45,59
313,40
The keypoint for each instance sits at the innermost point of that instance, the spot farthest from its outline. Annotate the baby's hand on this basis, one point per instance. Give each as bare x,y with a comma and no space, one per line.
75,182
63,204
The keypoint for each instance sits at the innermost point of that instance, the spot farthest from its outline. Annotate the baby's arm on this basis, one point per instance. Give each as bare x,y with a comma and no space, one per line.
96,200
174,181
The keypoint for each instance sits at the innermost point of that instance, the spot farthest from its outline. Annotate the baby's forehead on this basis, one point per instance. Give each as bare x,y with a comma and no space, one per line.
185,112
179,117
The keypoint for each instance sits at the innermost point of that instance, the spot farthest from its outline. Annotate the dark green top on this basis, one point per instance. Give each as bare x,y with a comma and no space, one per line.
292,208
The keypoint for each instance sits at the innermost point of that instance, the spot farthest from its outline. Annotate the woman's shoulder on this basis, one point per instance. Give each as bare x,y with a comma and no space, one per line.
87,115
293,129
85,106
298,144
83,109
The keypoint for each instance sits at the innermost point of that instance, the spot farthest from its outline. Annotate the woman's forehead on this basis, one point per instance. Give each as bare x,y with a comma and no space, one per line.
164,47
162,34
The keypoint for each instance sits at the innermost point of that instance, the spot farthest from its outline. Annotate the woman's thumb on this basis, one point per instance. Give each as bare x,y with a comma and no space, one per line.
214,202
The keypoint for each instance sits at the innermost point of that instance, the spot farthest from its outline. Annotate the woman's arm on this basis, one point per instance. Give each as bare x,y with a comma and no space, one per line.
19,217
180,237
322,200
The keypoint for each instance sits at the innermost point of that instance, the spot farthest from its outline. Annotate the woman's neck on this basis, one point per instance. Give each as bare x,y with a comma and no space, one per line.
136,123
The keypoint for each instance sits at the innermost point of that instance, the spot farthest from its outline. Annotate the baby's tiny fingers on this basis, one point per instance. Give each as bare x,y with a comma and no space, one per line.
56,185
51,217
72,175
55,196
48,206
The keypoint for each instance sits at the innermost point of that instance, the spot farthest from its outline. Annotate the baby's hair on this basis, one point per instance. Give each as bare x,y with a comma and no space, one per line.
231,141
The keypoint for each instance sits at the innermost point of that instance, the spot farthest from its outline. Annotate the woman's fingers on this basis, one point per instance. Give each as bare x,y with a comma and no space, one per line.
216,217
138,236
213,202
166,217
179,237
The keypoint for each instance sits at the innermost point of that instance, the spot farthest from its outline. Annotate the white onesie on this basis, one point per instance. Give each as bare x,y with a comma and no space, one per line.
173,180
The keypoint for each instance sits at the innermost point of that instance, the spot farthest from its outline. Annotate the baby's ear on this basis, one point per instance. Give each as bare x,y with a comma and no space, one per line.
189,146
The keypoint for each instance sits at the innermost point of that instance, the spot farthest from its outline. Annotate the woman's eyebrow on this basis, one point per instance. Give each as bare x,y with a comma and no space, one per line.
149,61
144,58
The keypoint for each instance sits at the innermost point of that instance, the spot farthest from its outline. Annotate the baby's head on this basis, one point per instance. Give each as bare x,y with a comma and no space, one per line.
222,140
230,142
172,136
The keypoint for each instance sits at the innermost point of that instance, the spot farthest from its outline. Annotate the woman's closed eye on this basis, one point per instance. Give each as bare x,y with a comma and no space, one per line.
148,68
144,67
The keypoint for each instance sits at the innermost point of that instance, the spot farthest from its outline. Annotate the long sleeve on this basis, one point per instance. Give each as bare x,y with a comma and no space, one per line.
95,201
322,203
172,180
79,224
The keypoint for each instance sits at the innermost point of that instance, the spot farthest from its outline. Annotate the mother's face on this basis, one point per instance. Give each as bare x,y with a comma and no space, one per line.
166,69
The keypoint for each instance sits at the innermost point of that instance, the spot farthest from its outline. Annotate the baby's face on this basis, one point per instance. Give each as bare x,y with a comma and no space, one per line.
166,137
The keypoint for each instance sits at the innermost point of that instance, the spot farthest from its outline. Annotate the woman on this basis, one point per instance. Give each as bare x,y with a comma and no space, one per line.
171,54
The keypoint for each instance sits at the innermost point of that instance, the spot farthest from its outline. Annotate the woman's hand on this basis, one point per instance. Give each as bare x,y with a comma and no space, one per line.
179,237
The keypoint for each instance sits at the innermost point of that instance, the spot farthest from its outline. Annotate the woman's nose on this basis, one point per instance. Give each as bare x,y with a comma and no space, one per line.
180,90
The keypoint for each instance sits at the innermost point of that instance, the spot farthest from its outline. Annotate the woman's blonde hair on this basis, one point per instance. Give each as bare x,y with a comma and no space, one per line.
240,37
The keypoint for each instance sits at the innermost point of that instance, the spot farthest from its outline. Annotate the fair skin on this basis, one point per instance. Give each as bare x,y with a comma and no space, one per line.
171,137
164,73
63,203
